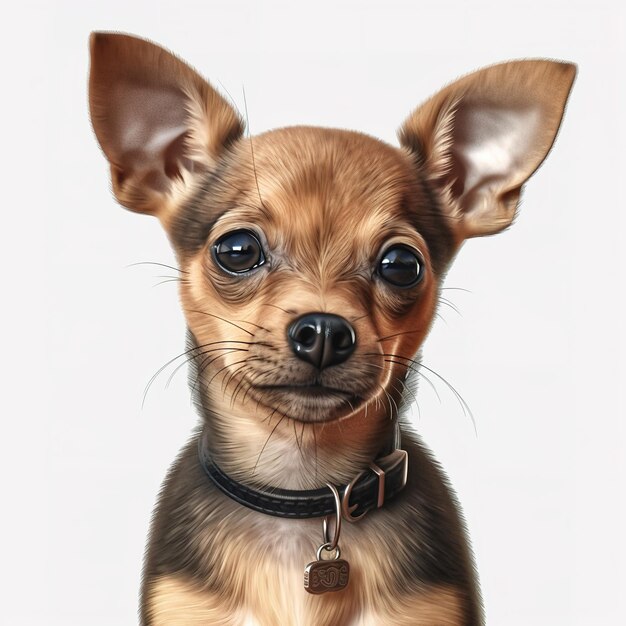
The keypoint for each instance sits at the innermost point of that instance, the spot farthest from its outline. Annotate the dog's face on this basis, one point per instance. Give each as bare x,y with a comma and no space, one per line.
311,258
322,267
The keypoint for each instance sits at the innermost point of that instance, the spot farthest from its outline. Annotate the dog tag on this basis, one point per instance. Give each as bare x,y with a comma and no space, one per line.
326,574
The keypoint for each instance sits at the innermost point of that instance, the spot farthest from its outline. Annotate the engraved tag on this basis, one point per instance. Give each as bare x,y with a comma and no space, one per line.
326,575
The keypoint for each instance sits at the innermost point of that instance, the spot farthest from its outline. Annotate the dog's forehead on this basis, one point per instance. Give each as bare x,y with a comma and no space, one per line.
340,169
310,181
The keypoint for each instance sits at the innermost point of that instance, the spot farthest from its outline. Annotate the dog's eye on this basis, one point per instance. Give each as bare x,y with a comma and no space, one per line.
401,266
239,251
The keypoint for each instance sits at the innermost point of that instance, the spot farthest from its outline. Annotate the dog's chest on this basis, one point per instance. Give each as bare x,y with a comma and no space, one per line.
276,571
271,562
286,602
261,583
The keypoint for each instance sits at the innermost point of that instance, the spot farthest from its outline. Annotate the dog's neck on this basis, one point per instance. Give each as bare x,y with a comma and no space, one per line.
277,451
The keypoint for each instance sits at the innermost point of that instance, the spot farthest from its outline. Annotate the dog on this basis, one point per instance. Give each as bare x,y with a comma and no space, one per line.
311,262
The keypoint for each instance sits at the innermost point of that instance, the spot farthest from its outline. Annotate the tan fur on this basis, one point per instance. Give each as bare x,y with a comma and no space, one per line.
435,607
176,602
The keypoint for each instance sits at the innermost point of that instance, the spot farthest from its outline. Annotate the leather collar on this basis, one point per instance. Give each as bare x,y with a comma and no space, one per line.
370,488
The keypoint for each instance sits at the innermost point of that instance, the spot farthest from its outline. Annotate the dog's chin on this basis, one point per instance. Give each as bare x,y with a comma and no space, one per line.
308,403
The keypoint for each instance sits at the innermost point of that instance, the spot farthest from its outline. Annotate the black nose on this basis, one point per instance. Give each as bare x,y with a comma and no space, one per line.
322,339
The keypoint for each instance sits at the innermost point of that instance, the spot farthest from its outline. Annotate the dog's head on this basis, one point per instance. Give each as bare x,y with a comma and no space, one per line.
311,258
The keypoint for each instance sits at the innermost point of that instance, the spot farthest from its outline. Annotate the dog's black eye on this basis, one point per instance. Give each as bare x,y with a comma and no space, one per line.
239,251
401,266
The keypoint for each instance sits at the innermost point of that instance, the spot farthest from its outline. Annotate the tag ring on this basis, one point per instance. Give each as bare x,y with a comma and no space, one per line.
332,545
326,546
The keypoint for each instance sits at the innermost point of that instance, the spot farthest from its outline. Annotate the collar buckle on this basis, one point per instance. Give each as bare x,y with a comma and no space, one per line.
395,458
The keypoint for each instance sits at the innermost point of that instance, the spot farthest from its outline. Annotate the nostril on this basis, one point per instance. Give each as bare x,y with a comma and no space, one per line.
342,340
306,335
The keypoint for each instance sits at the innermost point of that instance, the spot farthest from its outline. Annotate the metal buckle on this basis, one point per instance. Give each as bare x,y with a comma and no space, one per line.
391,461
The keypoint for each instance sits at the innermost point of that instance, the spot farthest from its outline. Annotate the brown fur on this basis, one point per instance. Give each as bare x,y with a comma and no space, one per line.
324,204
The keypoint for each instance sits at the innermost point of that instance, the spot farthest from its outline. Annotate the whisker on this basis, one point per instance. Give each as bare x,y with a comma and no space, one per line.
186,352
240,383
450,304
269,417
302,432
390,399
462,402
171,267
219,371
223,320
315,449
295,432
466,409
256,179
356,319
417,363
397,380
204,352
252,324
202,367
201,354
406,332
230,375
288,311
251,382
420,373
233,374
244,382
266,441
169,280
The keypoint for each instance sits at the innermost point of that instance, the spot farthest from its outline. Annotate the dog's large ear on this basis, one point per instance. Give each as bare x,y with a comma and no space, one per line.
157,120
481,138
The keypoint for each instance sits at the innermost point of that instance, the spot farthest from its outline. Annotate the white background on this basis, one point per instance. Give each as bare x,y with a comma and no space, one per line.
537,352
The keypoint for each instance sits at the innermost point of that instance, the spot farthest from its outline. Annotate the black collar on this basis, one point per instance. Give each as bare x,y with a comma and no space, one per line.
370,488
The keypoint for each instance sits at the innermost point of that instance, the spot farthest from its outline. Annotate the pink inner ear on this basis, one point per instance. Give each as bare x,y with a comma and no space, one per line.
493,145
147,127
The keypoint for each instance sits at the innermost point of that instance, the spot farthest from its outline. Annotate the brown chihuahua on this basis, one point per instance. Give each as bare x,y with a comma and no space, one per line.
311,262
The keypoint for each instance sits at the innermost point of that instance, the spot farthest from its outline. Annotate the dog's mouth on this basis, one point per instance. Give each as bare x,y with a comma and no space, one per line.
315,390
313,402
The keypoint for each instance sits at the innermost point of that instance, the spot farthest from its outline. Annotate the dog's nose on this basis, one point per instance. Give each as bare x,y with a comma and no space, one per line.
322,339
